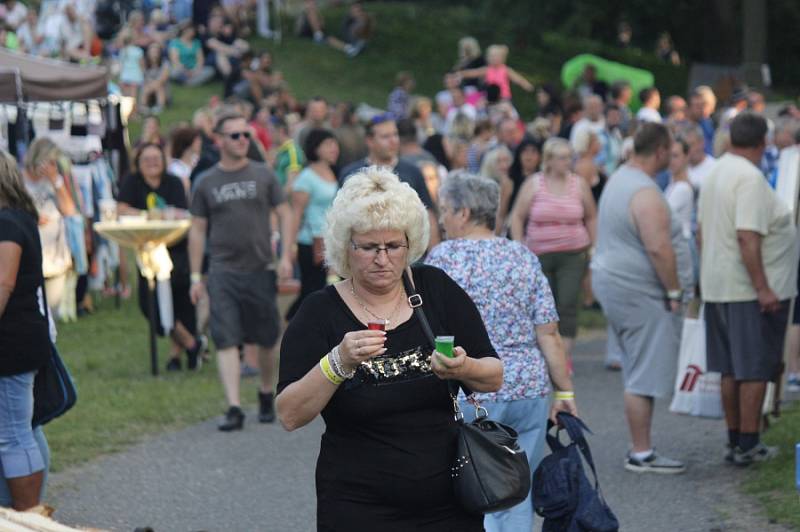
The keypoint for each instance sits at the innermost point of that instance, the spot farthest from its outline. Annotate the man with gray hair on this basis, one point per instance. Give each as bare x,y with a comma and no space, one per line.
748,275
640,272
593,119
700,162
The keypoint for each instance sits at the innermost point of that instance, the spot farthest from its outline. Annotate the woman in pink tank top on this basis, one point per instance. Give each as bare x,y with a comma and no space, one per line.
555,216
496,72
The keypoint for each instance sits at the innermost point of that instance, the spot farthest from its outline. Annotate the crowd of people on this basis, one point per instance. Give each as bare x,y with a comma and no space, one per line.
520,221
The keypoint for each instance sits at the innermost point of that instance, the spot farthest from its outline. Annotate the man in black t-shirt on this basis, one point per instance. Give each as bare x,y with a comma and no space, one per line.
383,143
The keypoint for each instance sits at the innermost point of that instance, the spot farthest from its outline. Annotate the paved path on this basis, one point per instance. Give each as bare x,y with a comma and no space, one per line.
262,479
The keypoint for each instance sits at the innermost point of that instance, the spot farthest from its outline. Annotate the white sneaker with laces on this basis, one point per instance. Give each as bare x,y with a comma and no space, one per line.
655,463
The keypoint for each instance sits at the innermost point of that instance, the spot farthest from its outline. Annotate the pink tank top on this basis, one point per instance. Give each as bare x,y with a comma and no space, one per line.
498,75
555,223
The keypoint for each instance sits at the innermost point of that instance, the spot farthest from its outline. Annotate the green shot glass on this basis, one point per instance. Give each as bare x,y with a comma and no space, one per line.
444,345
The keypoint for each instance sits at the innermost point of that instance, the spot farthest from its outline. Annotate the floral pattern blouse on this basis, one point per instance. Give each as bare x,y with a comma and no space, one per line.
506,282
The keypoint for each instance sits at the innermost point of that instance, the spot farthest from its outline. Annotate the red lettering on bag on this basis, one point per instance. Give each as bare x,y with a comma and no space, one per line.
693,372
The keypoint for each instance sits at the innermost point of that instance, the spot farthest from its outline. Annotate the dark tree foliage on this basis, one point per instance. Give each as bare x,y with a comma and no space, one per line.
706,31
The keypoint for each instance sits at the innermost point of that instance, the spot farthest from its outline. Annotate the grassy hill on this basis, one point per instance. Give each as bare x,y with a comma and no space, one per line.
420,37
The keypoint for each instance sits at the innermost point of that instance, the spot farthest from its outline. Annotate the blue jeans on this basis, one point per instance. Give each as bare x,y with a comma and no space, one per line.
529,418
20,452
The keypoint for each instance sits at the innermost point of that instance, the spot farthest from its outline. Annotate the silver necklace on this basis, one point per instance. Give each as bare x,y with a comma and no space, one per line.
364,306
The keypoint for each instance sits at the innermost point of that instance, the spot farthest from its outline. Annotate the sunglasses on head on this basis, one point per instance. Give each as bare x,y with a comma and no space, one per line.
238,134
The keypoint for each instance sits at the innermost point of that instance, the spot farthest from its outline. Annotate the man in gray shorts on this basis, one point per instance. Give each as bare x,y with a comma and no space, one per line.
640,272
748,275
232,201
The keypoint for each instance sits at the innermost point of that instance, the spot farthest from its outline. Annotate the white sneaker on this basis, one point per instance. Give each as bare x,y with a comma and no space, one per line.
793,383
655,463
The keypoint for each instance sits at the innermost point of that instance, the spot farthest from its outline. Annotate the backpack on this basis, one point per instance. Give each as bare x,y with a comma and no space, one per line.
562,494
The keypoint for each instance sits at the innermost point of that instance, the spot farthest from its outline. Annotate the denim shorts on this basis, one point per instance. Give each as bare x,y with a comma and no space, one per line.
20,455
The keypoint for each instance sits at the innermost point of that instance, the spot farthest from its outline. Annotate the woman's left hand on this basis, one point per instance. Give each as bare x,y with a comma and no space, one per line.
450,368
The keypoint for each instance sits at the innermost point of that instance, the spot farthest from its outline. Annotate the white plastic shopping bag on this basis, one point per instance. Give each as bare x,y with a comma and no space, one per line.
697,392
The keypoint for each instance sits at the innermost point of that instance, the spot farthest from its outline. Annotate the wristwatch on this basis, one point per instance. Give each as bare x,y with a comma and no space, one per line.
675,295
196,277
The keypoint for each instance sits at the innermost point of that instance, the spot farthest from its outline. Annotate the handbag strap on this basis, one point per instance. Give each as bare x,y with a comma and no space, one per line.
575,428
415,302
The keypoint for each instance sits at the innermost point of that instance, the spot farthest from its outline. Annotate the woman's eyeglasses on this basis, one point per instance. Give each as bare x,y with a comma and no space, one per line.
393,249
238,134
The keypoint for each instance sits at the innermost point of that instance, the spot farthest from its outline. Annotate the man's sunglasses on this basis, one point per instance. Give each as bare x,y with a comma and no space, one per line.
238,134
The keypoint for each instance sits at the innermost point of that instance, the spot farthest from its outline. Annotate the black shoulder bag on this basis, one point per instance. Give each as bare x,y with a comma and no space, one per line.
490,471
53,390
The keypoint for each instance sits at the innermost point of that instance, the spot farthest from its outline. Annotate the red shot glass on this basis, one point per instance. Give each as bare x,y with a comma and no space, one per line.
376,325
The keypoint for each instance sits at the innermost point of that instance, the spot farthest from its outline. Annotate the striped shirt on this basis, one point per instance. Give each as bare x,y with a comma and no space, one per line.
555,222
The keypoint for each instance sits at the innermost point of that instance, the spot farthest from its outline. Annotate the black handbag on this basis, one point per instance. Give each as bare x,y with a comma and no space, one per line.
490,471
53,390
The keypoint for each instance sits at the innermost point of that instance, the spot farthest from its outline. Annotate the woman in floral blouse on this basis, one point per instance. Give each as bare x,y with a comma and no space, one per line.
506,282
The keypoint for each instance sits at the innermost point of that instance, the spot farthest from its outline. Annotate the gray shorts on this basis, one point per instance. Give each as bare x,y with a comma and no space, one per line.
744,342
649,338
243,309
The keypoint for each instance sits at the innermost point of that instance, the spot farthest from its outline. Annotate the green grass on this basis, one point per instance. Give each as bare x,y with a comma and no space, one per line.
410,36
773,482
119,402
185,101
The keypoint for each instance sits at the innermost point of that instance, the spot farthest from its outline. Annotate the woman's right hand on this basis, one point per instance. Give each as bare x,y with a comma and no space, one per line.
359,346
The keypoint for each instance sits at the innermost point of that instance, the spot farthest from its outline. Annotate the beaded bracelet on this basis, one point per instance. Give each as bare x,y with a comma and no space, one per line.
336,359
565,395
325,366
336,365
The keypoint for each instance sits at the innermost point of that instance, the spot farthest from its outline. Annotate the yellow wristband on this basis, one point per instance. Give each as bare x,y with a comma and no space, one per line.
325,366
565,396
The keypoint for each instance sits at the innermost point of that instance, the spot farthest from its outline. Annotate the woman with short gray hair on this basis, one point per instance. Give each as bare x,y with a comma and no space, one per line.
356,353
506,282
